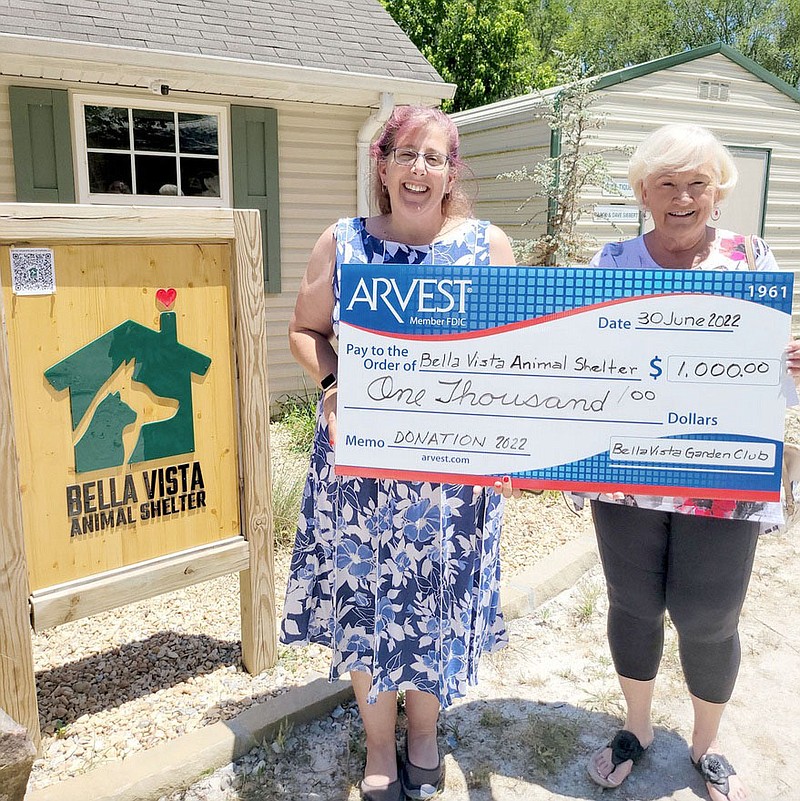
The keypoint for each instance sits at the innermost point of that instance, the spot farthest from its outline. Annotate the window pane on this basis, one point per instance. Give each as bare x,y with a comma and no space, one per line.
198,133
154,130
110,172
156,175
107,127
200,177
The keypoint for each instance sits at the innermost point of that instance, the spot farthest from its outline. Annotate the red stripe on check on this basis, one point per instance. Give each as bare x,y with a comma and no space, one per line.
527,323
552,484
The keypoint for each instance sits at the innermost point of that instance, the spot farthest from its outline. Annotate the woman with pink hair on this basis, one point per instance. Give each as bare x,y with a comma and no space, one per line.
400,579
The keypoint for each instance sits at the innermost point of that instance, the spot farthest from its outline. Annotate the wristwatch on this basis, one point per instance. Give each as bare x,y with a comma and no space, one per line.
328,382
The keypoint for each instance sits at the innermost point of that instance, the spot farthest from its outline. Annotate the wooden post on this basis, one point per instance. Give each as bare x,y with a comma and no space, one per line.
257,585
17,682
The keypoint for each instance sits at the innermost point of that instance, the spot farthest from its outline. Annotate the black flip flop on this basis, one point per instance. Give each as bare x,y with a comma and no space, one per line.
715,770
625,745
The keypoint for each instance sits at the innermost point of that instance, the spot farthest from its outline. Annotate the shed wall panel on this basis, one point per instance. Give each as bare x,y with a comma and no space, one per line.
490,152
756,114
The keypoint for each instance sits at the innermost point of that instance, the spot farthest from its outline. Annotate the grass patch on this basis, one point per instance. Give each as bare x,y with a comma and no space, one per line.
287,490
605,699
451,731
294,429
479,777
298,415
492,719
589,593
551,743
281,735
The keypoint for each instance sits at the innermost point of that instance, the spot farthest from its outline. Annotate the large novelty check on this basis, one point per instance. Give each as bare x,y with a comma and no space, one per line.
650,381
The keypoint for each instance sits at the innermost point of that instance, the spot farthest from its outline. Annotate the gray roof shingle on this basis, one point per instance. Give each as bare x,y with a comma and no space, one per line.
343,35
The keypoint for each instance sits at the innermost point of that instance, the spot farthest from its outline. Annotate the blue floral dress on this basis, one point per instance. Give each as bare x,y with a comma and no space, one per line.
400,579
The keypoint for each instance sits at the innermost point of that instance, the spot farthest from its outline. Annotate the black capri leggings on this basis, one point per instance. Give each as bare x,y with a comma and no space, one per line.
698,569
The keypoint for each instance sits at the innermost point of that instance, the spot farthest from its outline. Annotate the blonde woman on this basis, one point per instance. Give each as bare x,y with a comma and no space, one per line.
691,557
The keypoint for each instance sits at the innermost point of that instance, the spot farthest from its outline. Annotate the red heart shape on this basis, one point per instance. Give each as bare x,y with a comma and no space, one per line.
166,297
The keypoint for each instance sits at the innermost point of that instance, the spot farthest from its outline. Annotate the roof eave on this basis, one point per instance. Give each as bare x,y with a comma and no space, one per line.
220,72
488,115
510,110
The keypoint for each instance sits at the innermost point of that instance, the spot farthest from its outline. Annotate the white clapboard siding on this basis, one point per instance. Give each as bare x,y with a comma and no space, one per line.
312,198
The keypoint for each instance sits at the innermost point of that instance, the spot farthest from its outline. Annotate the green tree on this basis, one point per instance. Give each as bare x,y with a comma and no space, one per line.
611,34
419,19
548,21
494,49
739,23
482,46
784,58
764,30
562,179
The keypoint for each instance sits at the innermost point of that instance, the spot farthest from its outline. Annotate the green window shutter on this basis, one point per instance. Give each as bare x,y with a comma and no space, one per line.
254,147
42,144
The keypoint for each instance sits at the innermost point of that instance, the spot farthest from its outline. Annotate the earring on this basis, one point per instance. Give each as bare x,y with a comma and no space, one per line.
716,213
645,214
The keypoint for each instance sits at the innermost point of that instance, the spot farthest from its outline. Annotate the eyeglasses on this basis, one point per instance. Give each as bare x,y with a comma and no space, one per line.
406,157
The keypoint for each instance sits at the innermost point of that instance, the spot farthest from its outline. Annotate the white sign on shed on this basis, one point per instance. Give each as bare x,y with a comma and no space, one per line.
619,213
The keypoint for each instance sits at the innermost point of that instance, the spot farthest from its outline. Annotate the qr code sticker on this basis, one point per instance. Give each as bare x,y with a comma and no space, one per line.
32,271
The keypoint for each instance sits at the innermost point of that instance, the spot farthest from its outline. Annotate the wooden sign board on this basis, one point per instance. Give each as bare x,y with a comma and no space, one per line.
123,405
134,345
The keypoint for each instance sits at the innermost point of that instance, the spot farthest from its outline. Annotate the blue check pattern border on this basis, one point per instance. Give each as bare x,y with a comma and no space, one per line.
600,469
506,295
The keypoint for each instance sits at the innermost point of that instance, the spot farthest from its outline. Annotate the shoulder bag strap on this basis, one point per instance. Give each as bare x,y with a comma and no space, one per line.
748,249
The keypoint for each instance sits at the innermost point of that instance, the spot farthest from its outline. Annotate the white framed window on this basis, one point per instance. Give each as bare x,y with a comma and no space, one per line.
151,152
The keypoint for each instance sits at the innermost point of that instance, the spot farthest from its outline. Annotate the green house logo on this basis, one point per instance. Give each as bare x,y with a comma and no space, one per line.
131,393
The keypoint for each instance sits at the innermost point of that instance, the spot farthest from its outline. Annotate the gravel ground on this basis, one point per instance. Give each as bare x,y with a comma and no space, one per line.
133,677
128,679
546,702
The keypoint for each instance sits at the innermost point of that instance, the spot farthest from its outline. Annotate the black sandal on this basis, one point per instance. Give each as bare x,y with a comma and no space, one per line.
392,792
715,770
421,783
625,745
